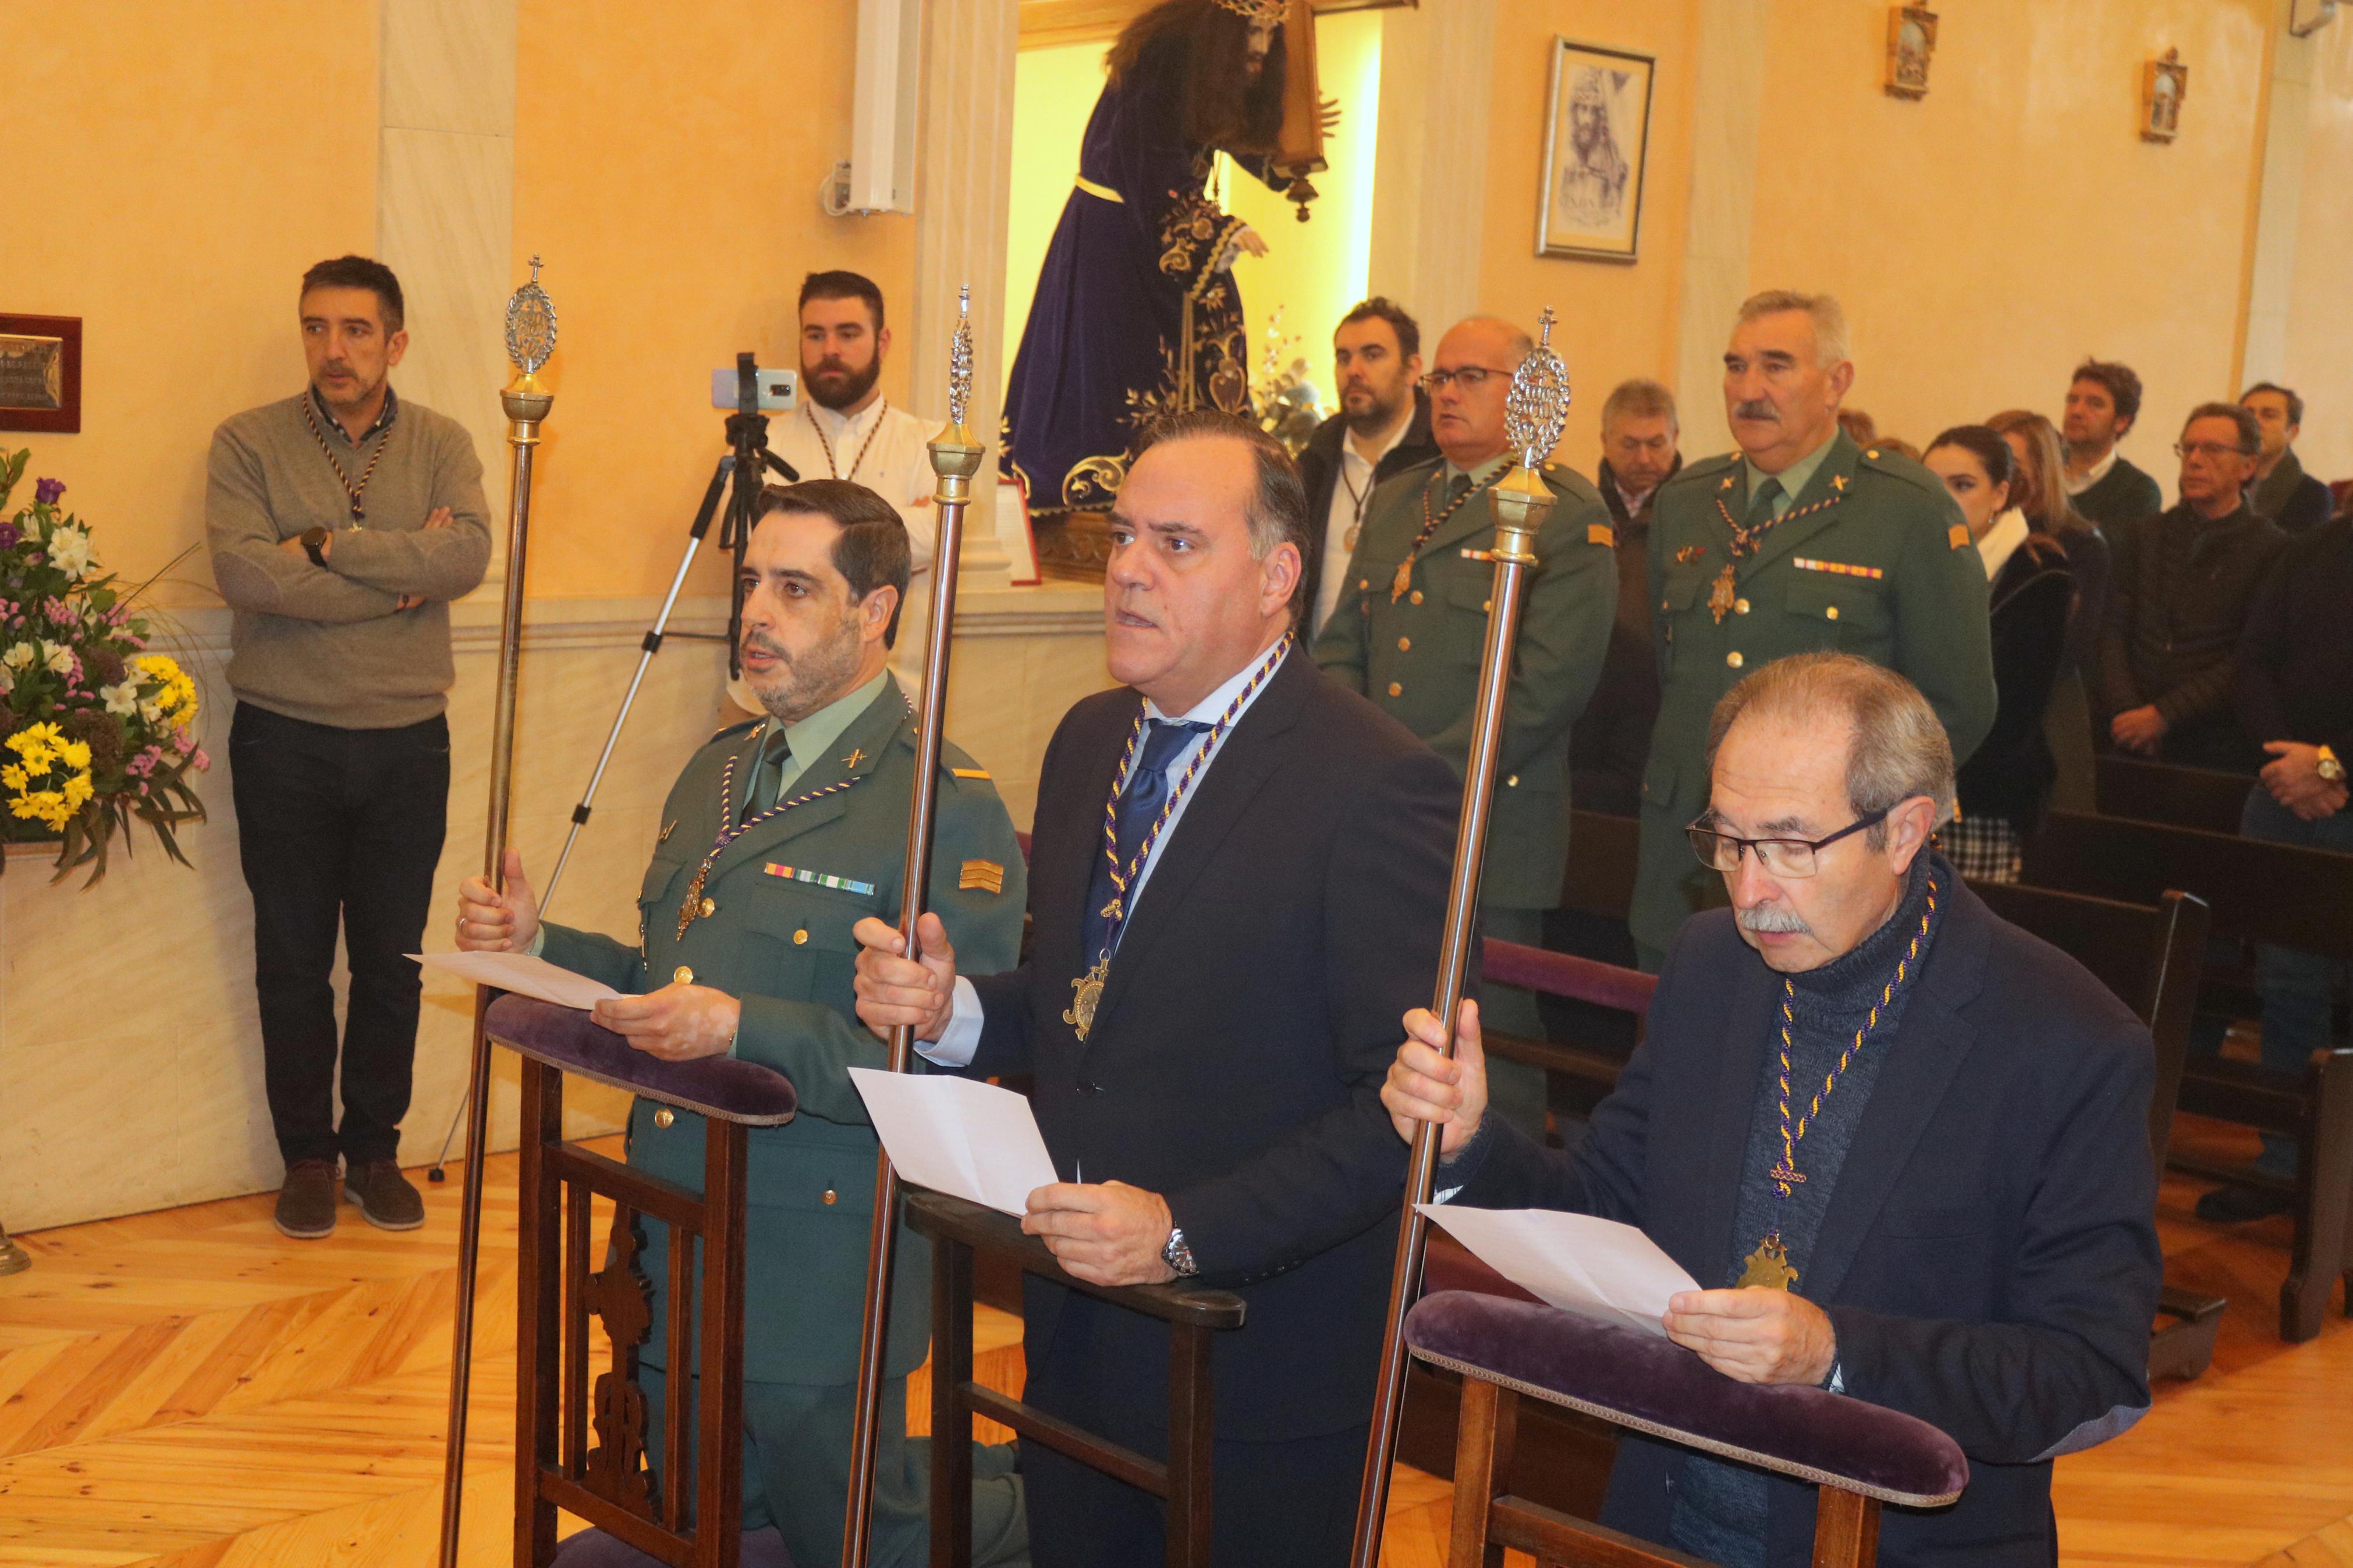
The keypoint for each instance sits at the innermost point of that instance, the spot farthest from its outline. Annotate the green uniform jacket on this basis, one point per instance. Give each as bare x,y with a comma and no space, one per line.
1417,657
1887,571
781,944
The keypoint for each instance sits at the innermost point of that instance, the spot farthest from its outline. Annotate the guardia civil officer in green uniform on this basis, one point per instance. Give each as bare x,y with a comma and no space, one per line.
779,837
1801,541
1411,623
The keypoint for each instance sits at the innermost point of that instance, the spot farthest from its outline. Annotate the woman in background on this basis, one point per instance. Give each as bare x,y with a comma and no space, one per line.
2040,493
2005,785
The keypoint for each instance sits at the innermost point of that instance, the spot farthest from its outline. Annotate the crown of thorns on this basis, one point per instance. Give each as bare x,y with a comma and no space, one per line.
1267,10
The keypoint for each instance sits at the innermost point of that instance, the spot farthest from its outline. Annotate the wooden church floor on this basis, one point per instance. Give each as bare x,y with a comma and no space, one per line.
189,1389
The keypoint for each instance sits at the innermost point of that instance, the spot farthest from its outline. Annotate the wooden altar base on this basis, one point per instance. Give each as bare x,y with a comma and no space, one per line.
189,1389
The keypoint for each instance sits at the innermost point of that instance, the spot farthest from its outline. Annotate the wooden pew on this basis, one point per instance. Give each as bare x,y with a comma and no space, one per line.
2149,958
2259,892
2204,798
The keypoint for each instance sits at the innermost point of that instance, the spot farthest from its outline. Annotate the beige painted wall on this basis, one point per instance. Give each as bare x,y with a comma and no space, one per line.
1616,320
1986,238
1983,239
2320,311
169,177
666,164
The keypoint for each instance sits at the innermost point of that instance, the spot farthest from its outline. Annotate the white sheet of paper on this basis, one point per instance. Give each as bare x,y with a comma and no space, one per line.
1596,1267
958,1135
522,975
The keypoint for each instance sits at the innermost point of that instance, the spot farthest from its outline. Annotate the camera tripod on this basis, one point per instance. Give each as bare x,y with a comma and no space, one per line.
746,463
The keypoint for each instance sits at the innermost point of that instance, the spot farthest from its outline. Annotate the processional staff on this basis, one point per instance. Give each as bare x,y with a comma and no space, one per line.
1535,416
955,458
531,339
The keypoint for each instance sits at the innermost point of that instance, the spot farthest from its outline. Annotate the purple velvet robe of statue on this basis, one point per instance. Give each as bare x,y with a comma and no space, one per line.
1105,347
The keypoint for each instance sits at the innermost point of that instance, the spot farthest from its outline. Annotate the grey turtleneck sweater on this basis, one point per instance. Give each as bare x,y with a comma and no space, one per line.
1719,1505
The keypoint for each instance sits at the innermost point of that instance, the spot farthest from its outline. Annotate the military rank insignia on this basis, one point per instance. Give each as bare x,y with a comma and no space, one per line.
1601,533
986,876
1958,535
1689,553
969,772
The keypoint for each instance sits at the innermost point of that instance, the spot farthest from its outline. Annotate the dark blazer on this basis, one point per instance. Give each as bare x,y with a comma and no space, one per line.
1238,1052
1610,742
2295,663
1988,1259
2177,601
2011,773
1319,471
2292,498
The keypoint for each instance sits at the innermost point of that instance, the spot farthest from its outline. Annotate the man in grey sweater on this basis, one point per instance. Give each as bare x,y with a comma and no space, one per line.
342,523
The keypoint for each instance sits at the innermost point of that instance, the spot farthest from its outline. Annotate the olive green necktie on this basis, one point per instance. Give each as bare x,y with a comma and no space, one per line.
768,774
1761,505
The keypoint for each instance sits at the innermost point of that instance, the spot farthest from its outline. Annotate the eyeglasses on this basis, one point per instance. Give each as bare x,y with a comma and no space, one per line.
1472,377
1779,857
2208,449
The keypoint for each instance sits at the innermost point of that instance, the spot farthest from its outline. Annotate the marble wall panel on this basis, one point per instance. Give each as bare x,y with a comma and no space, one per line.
89,1124
449,65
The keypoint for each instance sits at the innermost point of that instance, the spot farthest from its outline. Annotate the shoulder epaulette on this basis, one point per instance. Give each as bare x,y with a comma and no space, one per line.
1706,468
721,735
1896,466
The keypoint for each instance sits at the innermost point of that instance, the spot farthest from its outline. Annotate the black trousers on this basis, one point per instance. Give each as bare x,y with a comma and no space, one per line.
1283,1504
338,829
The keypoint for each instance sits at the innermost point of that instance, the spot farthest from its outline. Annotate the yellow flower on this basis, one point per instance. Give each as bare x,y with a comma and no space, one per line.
75,753
12,776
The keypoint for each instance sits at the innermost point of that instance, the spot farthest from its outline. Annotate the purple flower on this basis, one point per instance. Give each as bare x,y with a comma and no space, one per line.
57,611
47,492
10,534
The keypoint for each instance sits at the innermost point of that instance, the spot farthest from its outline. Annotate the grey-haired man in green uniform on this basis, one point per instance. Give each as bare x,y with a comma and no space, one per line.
1411,623
1799,540
778,837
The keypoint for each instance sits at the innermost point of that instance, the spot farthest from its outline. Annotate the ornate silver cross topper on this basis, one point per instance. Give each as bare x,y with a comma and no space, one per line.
530,324
1537,412
960,359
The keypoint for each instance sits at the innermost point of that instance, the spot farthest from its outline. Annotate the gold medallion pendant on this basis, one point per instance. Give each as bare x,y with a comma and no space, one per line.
1769,1268
1403,581
693,908
1089,989
1720,596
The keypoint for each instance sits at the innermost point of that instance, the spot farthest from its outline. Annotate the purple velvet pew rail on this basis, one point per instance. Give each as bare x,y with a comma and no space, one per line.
1566,975
1638,1380
718,1086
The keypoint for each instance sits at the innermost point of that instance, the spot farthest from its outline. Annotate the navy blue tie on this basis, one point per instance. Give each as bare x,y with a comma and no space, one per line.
1139,806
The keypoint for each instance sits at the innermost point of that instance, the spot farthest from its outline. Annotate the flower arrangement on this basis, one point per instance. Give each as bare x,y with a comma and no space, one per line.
95,731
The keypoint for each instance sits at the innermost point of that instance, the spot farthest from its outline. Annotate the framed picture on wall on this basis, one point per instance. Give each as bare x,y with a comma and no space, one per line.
1597,139
2164,83
1910,41
40,373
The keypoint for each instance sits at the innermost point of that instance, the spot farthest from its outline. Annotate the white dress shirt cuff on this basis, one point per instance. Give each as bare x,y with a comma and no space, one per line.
960,1039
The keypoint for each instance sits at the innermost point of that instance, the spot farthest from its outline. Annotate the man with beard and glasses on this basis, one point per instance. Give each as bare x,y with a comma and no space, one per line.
1382,429
1799,542
1900,1144
1136,295
343,521
778,837
845,428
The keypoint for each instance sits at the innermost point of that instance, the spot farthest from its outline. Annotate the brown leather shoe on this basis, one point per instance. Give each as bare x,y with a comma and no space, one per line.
306,1204
386,1200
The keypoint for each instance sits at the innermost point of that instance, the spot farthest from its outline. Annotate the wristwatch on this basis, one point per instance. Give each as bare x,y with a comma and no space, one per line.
2328,768
314,545
1178,1256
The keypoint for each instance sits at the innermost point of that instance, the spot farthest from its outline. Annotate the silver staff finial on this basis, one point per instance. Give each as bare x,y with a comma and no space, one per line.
530,324
960,359
1537,412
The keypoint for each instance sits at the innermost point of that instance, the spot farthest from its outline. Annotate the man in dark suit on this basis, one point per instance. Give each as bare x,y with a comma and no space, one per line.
1382,428
1941,1202
1209,1006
